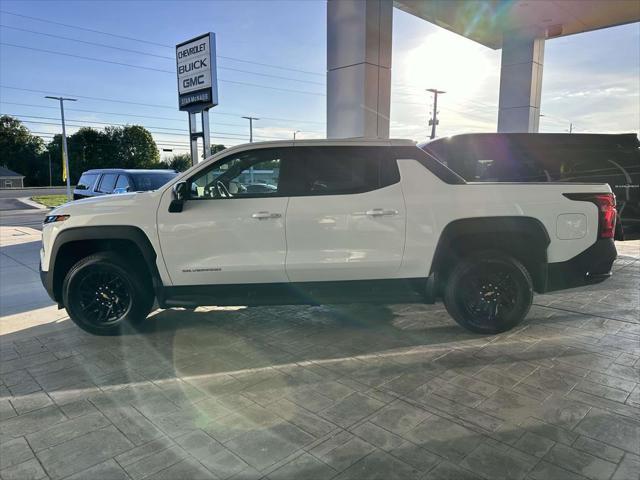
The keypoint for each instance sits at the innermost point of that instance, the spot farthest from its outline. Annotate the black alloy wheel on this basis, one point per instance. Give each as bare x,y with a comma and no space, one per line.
489,293
102,294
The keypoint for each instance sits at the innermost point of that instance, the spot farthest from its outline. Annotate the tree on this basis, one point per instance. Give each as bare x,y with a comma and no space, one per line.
87,149
179,162
21,151
133,146
216,148
116,147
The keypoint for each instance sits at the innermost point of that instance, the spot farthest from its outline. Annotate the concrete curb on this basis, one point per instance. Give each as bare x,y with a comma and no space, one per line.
31,203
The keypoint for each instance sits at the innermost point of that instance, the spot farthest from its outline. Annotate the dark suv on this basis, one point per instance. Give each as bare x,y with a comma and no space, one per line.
551,157
106,181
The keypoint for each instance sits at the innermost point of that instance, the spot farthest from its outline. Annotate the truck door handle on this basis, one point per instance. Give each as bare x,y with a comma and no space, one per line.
381,212
265,215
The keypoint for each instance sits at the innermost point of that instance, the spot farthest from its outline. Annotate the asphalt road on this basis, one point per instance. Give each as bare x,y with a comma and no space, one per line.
13,204
14,213
30,192
23,218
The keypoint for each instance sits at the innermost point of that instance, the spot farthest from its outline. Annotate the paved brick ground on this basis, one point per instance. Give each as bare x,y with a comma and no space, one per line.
353,392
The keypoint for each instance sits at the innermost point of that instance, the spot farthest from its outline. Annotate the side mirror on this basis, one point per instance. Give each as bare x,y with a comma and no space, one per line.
179,194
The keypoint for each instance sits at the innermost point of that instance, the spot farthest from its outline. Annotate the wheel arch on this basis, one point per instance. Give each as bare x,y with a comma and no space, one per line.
525,238
73,244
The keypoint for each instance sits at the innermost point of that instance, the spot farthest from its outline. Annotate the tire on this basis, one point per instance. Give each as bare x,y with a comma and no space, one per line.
103,295
488,293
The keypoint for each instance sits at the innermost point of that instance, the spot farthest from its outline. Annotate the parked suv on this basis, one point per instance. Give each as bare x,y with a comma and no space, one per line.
345,221
94,183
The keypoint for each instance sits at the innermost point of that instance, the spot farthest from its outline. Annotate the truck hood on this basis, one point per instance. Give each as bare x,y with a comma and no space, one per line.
107,204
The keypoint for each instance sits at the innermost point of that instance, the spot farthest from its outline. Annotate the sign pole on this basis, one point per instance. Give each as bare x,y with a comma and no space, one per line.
197,88
193,137
206,134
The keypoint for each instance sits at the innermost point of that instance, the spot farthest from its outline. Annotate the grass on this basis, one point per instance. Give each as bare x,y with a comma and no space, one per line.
50,201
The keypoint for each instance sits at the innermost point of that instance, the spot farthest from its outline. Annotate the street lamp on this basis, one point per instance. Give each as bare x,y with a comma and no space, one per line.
294,134
65,152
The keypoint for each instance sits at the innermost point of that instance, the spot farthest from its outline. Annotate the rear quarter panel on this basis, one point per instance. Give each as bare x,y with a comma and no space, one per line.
432,204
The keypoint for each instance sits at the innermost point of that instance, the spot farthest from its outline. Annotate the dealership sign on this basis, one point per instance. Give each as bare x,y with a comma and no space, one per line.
197,79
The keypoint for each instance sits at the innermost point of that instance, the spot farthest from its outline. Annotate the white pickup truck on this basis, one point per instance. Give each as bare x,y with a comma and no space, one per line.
322,221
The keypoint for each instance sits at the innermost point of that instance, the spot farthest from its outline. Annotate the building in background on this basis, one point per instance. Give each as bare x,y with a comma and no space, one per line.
10,179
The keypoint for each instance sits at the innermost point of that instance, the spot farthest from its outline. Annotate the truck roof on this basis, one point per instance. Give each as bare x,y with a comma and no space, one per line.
128,170
320,142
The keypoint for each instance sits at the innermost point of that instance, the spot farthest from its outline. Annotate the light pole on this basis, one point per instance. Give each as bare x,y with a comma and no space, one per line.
434,118
65,153
251,119
294,135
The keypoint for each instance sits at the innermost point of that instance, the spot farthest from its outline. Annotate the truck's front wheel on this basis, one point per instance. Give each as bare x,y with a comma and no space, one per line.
488,293
102,294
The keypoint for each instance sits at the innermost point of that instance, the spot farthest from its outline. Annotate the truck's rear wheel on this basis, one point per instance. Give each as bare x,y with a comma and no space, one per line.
488,293
103,295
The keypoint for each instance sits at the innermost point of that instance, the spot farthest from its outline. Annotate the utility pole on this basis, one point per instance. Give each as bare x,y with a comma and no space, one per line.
294,134
570,127
251,119
434,118
50,180
65,152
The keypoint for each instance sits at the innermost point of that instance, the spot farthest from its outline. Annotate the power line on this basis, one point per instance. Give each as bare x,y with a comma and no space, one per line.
166,57
402,85
169,142
130,65
297,70
417,88
150,128
86,42
154,117
278,119
53,52
124,37
88,121
154,105
157,44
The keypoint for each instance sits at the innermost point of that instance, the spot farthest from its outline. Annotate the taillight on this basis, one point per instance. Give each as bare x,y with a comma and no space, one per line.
606,203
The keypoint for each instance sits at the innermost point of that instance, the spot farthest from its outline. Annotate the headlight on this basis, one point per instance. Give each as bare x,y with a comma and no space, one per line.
55,218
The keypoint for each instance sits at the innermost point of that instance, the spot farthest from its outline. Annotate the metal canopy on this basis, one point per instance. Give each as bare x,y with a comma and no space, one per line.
484,21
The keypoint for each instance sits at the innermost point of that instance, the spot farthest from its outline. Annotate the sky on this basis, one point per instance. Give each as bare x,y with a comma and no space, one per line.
272,65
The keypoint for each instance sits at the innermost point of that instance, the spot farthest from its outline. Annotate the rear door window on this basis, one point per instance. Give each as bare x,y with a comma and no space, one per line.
122,183
86,182
338,171
107,183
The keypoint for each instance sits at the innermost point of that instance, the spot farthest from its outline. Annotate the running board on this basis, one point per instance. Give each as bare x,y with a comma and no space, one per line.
306,293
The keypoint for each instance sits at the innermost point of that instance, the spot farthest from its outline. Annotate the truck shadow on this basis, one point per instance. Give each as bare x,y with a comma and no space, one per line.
371,344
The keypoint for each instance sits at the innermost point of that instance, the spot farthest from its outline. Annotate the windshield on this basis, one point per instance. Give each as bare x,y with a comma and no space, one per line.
151,181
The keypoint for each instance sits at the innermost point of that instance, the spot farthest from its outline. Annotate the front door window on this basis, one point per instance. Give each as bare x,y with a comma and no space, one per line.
250,174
